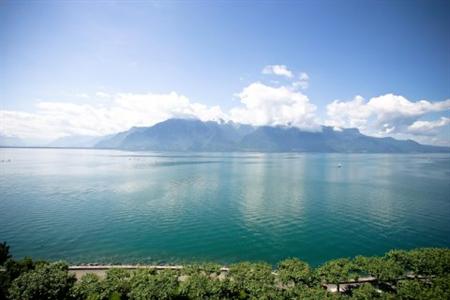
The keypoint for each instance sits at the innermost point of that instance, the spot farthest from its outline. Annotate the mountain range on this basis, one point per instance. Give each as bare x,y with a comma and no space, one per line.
195,135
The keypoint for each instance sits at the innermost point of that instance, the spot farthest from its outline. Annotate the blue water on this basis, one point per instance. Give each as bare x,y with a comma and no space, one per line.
126,207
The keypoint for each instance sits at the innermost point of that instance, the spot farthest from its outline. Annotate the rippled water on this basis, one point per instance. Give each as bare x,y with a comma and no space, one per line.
113,206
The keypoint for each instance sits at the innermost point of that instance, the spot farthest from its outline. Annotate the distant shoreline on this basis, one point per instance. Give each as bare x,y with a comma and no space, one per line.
215,152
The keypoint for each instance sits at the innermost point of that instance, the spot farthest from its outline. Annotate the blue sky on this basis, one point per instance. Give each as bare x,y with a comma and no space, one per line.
80,67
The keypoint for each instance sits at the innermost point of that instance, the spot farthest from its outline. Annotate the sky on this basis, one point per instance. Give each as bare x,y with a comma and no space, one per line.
100,67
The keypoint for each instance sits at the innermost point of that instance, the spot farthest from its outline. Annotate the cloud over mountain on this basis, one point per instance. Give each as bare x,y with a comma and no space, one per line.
385,114
122,111
268,105
428,127
260,103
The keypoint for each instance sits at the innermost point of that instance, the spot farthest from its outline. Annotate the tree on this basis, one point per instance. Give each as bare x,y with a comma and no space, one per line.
151,284
293,279
252,281
309,293
401,257
336,271
46,281
116,284
437,288
13,269
204,281
4,253
295,271
88,287
383,269
203,286
430,261
365,292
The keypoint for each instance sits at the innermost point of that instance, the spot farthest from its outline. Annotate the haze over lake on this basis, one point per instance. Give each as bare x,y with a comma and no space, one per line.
116,206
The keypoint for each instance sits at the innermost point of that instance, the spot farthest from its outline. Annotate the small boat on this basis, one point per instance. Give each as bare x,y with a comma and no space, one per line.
339,165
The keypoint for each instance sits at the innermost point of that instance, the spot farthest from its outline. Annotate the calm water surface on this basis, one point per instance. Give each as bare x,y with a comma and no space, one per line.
114,206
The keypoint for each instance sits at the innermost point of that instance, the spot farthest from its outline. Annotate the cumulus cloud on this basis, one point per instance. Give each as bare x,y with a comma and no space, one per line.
279,70
260,104
381,115
302,82
297,82
57,119
427,127
278,103
268,105
102,95
350,114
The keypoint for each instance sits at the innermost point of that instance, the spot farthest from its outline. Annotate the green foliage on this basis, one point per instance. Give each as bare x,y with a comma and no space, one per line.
16,267
88,287
382,268
416,274
365,292
207,268
297,272
46,281
410,289
423,261
401,257
202,286
305,293
430,261
4,253
438,288
12,270
252,281
148,284
116,284
115,296
338,270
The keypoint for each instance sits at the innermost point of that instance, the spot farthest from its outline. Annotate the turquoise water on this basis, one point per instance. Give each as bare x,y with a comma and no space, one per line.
114,206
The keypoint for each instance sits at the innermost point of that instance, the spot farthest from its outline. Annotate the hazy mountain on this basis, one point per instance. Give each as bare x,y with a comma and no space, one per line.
195,135
116,140
11,141
180,135
285,139
76,141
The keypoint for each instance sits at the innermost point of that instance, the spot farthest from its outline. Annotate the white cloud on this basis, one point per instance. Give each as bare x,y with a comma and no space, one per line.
427,127
57,119
298,82
389,106
102,95
302,82
260,104
279,70
27,125
381,115
81,95
350,114
267,105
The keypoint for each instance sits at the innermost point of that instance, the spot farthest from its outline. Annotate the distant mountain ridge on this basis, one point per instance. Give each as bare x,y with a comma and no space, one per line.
11,141
81,141
195,135
210,136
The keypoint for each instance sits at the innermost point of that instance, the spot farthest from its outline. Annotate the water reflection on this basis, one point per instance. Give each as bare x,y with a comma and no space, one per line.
93,205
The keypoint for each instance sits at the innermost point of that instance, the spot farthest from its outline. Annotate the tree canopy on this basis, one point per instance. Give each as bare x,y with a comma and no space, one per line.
416,274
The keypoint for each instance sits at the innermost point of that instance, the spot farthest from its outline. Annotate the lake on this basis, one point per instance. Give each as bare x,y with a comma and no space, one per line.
110,206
